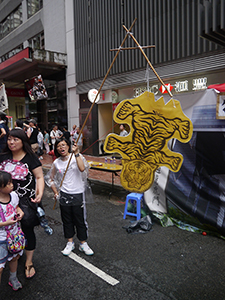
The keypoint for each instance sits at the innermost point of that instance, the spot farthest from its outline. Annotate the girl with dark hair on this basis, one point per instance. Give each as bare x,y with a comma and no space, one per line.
12,214
71,199
28,181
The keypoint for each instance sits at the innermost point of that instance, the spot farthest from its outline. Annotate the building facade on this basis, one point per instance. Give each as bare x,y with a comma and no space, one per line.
32,43
189,45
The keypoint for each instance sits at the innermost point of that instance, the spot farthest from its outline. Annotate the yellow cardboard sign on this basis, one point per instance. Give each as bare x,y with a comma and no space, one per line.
152,124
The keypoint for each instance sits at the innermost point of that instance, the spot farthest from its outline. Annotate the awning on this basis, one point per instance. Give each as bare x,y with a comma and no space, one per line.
23,66
218,87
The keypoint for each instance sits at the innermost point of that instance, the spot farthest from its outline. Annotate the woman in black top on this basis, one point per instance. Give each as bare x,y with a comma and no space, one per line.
26,170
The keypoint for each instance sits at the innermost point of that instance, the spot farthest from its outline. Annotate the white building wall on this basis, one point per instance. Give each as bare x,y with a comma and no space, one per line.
54,25
72,97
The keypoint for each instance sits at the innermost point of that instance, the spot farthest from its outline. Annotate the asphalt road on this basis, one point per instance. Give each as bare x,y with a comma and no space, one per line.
165,263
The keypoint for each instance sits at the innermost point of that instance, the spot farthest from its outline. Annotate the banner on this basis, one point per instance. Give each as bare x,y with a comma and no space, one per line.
36,88
3,98
198,188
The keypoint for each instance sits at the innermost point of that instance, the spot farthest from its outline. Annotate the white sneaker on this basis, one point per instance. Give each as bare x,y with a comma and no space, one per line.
86,249
15,284
68,249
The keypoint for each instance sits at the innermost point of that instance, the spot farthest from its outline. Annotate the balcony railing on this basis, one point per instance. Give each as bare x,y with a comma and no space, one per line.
50,56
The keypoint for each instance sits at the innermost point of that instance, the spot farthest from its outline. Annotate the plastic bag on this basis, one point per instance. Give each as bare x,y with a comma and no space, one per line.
56,180
140,226
88,191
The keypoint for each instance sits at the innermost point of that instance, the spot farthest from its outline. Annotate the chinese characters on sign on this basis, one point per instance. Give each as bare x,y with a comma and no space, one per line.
179,86
199,84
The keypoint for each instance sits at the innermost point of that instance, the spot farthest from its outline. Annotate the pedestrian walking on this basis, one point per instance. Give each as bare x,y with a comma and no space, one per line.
40,139
55,134
80,141
32,133
73,131
66,133
46,141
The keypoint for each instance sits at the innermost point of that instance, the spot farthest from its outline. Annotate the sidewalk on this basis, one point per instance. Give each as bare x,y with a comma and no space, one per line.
93,174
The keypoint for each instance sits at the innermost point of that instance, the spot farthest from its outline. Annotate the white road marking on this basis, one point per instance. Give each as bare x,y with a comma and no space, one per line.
93,269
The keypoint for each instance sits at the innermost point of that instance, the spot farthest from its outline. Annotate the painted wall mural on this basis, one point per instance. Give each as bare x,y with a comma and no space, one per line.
145,149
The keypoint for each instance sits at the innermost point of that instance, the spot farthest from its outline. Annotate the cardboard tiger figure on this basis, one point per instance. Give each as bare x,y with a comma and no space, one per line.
152,124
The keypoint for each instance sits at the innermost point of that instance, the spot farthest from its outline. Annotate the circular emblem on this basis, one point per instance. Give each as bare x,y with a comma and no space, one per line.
114,96
92,94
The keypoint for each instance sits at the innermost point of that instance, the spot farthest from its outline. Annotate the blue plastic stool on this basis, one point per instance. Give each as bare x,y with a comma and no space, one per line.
133,197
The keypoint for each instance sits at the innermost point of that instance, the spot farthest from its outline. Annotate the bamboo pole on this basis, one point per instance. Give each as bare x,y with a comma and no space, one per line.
151,66
131,48
99,90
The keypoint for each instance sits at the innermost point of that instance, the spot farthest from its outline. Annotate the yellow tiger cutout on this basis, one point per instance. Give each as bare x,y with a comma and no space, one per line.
152,124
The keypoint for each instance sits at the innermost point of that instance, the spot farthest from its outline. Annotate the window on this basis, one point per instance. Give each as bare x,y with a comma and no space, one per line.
11,53
37,42
33,6
20,111
11,22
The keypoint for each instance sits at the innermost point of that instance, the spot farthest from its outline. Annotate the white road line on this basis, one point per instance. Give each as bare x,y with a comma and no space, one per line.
94,269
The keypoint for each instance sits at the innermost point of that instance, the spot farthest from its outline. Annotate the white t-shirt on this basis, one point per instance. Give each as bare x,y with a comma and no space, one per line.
9,210
80,141
55,134
123,133
40,139
72,183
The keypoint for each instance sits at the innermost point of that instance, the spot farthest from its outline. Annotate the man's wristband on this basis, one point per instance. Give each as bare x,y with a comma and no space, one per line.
77,155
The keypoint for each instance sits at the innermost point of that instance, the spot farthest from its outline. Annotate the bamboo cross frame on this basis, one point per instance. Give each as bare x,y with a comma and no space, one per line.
131,48
151,66
99,90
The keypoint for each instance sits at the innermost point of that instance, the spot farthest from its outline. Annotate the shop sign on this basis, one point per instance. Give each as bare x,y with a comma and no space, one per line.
140,90
114,96
163,90
179,87
199,84
92,94
15,92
